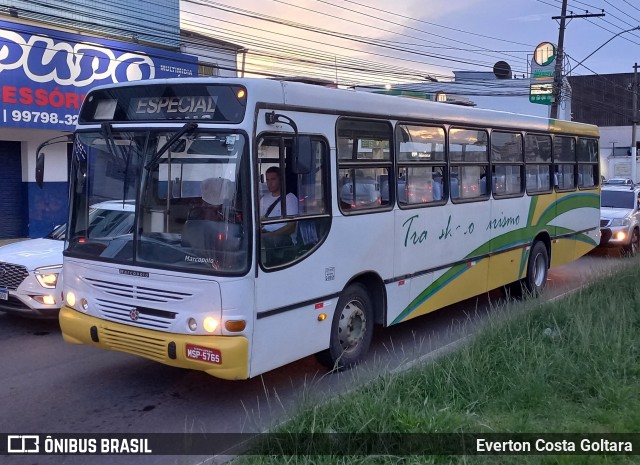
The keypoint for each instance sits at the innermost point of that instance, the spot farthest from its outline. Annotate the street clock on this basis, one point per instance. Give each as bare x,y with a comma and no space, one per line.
544,54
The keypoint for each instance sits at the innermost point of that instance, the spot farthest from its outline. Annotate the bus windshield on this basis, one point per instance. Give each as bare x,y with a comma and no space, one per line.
186,192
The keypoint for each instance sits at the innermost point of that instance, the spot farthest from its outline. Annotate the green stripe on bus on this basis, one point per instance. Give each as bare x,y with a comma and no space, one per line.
512,238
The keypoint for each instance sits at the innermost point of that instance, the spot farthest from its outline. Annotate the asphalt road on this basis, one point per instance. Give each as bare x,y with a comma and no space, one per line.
49,386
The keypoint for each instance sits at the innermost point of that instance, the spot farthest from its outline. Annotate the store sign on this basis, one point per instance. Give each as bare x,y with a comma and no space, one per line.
45,74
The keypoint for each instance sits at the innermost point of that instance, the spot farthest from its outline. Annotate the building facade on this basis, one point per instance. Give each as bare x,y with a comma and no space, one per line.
45,72
606,100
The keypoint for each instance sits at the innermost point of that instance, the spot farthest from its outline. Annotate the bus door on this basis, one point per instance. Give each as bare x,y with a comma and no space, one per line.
293,221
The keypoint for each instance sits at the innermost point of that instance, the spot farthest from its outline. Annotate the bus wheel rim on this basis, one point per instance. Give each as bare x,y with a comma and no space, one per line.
540,269
352,326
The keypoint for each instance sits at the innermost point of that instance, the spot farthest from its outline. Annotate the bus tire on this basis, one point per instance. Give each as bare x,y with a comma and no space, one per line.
351,329
537,269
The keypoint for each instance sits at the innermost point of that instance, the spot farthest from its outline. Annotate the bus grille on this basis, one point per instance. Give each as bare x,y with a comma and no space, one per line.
146,294
139,316
144,346
11,276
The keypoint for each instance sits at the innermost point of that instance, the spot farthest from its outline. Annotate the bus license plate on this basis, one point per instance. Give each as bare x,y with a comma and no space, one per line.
4,294
204,354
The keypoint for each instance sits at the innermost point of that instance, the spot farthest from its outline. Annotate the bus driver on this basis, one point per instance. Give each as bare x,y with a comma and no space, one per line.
277,235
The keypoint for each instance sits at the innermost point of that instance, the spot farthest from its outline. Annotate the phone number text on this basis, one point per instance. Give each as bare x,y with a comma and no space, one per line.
45,117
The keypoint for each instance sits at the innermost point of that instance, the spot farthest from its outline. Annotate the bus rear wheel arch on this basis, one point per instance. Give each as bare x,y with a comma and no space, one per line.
351,329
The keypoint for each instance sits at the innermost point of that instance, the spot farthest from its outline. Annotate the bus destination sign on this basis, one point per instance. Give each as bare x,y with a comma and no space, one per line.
193,106
165,102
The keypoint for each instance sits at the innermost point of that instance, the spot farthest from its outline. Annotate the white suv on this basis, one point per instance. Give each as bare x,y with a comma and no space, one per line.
620,217
31,270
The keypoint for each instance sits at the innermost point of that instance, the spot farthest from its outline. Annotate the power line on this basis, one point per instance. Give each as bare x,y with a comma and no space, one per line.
279,61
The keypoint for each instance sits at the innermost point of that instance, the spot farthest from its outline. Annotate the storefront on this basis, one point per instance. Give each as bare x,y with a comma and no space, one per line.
45,74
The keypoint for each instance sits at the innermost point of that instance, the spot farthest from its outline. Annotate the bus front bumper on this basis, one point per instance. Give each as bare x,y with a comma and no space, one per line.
225,357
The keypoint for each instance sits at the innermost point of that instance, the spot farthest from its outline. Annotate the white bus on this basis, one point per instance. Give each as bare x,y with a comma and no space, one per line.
382,209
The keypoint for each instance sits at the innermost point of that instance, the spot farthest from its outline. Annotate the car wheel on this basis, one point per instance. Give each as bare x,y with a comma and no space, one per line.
351,329
631,250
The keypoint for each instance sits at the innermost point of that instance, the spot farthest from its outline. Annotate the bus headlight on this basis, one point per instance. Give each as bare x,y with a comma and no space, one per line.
210,324
192,323
71,299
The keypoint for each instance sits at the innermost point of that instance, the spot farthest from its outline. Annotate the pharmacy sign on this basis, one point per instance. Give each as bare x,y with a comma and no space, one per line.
543,74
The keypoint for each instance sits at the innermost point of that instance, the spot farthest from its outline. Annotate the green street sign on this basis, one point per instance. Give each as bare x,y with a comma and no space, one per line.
543,74
542,99
541,92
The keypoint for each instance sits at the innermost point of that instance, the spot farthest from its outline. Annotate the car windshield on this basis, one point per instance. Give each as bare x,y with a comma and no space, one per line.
619,181
58,233
103,222
617,199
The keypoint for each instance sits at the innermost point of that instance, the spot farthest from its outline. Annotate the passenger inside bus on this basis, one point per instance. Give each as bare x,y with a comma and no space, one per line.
212,230
217,195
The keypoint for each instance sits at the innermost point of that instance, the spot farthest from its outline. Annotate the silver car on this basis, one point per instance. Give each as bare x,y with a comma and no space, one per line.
31,270
620,217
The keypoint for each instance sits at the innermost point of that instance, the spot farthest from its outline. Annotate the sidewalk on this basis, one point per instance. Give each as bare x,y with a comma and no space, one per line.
9,241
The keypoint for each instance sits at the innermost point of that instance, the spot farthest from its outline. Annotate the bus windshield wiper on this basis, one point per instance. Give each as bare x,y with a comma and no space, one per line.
118,152
186,129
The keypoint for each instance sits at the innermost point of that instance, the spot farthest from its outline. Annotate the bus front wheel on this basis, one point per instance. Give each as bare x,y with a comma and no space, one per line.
351,329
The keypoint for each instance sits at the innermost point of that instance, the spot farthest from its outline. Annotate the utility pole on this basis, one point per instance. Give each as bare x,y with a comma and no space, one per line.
634,143
558,78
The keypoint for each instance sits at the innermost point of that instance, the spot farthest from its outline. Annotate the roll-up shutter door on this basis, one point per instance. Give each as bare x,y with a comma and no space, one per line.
12,211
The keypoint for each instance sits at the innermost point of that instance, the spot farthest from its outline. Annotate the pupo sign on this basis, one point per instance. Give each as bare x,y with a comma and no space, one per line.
44,74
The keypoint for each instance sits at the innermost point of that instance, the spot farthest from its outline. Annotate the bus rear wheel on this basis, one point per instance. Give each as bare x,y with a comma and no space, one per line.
351,329
536,279
537,269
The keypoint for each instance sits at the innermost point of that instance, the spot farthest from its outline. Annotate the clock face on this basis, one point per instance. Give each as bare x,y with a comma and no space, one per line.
544,53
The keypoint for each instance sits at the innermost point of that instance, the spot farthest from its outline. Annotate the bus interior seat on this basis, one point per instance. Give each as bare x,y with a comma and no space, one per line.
455,191
402,191
384,189
437,190
365,195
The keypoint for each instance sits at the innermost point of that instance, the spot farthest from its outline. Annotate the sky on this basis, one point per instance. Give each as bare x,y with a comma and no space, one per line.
377,41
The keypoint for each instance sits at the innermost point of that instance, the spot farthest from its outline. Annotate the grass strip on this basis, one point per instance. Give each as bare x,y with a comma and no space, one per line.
571,366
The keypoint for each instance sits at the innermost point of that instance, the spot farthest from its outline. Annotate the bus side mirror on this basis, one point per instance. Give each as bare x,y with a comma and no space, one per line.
66,138
302,155
40,169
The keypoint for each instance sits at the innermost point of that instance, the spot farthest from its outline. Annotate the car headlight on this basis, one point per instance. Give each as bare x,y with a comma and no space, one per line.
620,222
48,277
